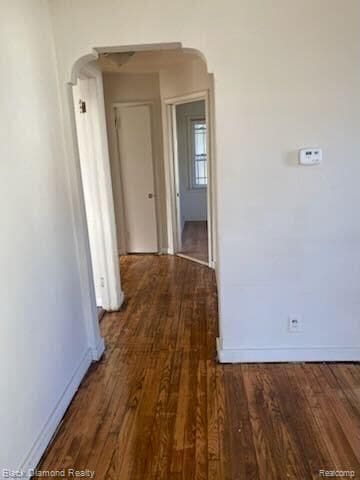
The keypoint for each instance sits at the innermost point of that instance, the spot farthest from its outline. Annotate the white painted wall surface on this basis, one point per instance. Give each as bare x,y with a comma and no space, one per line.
287,74
193,201
185,79
45,345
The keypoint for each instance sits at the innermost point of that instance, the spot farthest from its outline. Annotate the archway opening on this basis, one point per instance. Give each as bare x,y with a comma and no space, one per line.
157,184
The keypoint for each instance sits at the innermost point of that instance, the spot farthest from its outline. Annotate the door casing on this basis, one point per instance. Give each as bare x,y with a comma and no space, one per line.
100,178
172,180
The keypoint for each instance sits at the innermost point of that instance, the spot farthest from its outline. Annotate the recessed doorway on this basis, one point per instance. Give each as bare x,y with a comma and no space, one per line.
189,127
133,122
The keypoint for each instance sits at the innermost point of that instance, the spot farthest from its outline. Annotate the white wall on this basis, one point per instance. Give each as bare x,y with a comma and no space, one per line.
287,74
45,347
184,79
193,201
132,87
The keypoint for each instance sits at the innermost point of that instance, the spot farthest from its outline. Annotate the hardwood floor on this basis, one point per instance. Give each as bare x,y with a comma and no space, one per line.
195,240
158,406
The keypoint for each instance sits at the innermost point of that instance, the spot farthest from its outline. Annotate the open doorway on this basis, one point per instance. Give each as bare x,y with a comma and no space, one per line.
122,100
139,91
114,106
188,119
192,180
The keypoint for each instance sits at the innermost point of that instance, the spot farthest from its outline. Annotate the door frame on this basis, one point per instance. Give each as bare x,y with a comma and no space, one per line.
172,178
120,202
84,91
112,295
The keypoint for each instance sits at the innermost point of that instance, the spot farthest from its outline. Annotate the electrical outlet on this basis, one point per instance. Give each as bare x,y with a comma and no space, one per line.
295,324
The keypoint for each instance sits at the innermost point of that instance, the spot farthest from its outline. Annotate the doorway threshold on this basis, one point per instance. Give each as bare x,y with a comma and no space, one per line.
192,259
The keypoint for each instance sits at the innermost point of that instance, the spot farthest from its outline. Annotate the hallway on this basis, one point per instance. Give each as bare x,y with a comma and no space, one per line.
158,406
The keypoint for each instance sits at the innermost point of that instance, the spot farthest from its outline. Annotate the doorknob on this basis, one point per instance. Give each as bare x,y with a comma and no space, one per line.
150,195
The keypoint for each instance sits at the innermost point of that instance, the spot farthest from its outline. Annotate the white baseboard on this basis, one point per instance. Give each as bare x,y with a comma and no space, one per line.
118,303
122,298
245,354
98,350
46,434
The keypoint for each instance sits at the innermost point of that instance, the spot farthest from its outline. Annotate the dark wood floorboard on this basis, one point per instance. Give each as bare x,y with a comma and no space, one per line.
158,406
195,240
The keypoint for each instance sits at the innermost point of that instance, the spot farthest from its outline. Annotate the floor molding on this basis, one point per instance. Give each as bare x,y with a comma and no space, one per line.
122,298
98,350
100,312
43,440
115,307
287,354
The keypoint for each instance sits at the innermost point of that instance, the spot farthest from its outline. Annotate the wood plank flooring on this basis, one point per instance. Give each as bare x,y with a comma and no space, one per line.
195,240
158,406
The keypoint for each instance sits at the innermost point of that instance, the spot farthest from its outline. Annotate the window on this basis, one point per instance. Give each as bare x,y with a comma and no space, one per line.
198,154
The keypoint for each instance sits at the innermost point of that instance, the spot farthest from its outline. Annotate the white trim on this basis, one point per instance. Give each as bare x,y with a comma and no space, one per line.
189,98
247,354
98,351
176,181
42,441
102,198
210,183
192,259
166,251
81,237
171,175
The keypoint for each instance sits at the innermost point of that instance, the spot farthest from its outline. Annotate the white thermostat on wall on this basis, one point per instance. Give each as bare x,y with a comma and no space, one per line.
310,156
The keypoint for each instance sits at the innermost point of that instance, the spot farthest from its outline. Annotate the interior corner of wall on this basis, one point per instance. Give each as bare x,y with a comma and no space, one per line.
98,350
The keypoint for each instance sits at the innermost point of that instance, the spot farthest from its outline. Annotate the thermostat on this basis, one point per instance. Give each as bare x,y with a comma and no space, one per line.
310,156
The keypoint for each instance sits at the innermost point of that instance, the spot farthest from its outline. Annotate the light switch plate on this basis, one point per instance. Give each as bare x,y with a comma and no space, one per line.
310,156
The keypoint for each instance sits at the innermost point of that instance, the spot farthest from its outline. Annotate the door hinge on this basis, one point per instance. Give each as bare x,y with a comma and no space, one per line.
82,106
117,122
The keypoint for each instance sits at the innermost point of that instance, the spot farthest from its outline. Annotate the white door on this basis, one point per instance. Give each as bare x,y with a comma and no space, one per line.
137,175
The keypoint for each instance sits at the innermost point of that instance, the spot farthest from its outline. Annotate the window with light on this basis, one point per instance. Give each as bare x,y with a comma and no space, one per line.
199,154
